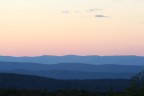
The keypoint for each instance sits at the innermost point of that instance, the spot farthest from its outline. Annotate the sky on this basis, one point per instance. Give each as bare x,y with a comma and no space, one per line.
78,27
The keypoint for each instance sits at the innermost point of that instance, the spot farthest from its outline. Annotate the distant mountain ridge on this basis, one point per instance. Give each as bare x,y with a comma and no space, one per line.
72,70
93,59
71,67
74,75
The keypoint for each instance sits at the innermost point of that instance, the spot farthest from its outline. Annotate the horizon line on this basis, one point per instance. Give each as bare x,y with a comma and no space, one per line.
68,55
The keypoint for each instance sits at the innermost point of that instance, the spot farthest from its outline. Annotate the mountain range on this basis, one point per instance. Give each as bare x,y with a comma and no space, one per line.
52,73
94,59
72,70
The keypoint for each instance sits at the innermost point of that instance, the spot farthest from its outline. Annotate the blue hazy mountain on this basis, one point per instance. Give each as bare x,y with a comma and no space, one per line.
71,70
70,67
65,74
46,59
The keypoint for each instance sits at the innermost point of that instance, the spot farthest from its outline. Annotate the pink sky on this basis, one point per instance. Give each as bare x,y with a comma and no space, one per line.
62,27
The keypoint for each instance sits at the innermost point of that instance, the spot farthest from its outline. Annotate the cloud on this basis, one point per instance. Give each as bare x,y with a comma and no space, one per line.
100,16
82,11
65,12
94,9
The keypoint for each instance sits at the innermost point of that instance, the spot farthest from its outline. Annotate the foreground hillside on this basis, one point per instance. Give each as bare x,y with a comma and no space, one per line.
23,85
17,81
15,92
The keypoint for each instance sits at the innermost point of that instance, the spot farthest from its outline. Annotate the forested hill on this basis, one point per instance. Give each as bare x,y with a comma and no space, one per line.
17,81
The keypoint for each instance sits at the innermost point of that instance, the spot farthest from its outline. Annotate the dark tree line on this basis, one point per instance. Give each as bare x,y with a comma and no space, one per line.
136,88
131,91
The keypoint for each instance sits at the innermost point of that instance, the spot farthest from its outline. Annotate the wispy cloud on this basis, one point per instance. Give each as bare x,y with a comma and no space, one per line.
65,11
82,11
101,16
87,12
94,9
